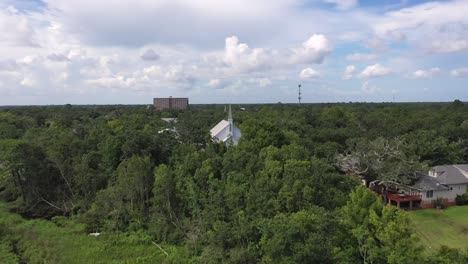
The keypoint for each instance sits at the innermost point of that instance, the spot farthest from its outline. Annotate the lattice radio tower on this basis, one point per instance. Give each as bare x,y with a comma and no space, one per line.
299,97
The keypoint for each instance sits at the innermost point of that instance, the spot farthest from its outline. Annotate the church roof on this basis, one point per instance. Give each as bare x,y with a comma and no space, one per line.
219,127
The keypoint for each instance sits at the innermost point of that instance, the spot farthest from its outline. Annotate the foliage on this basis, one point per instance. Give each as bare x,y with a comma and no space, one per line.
439,203
382,234
462,199
301,237
279,196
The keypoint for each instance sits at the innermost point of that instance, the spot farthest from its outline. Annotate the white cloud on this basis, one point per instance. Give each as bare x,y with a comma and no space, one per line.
460,72
447,45
8,65
351,36
264,82
16,29
57,57
149,55
112,82
343,4
421,74
427,14
313,50
214,83
149,78
195,22
361,57
242,58
373,71
76,46
377,44
349,71
437,26
369,88
309,73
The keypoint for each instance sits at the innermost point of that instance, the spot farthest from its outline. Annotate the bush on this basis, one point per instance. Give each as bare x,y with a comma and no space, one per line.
462,199
439,203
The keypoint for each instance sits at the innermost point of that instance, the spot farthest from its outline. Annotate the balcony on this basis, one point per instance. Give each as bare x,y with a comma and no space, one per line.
402,197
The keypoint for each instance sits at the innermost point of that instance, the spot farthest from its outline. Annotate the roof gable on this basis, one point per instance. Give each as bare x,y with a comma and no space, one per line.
223,124
428,183
452,174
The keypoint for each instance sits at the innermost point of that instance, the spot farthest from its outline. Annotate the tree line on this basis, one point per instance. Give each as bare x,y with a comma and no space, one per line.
277,197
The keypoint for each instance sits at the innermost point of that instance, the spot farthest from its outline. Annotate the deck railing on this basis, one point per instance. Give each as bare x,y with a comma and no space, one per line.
404,197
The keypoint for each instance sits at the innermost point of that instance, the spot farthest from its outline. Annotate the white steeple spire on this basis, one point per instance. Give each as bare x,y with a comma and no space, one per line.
230,113
231,122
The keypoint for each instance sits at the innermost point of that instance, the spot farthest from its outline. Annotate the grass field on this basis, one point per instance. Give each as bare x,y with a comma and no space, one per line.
442,227
42,241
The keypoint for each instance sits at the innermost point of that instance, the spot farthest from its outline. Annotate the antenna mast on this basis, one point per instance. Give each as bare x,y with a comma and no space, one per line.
299,97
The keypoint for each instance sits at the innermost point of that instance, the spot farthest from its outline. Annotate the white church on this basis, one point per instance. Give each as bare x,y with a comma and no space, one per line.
226,132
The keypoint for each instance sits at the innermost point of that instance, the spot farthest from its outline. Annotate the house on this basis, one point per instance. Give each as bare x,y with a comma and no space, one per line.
441,182
445,182
226,131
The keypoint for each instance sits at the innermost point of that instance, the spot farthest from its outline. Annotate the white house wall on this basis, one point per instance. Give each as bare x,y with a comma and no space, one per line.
457,189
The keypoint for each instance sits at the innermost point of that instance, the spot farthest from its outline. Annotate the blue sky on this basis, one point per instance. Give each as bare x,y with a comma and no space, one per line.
244,51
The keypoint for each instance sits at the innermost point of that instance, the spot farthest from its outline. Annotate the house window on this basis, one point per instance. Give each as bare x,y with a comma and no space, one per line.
429,194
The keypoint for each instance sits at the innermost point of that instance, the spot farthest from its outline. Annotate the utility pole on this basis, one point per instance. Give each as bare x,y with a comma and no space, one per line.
299,97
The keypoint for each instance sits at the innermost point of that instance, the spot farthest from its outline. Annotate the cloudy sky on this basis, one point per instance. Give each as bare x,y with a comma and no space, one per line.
232,51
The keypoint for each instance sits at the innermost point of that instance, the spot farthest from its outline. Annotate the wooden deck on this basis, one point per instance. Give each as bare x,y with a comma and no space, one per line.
401,198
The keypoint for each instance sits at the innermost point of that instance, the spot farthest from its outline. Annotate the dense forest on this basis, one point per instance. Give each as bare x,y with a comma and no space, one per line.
279,196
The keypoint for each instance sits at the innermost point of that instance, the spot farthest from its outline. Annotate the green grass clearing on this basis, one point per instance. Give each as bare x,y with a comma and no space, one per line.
42,241
442,227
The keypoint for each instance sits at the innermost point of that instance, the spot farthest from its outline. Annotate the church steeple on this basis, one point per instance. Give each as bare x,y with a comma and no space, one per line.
230,114
231,122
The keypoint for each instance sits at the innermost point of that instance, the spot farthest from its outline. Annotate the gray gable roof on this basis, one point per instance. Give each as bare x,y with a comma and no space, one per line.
428,183
451,174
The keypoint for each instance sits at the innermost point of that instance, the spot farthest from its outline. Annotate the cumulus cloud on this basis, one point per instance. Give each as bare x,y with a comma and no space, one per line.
112,82
309,73
427,14
343,4
263,82
349,71
8,65
361,57
460,72
214,83
377,44
16,28
149,55
100,43
369,88
351,36
373,71
149,78
446,46
199,23
428,25
242,58
422,74
57,57
313,50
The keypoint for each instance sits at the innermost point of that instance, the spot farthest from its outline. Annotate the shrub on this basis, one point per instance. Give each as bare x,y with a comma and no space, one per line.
439,203
462,199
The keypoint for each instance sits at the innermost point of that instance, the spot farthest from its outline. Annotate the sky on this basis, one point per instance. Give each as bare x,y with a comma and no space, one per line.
238,51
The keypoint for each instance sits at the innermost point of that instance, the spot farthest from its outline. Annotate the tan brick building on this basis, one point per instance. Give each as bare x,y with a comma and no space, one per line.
171,103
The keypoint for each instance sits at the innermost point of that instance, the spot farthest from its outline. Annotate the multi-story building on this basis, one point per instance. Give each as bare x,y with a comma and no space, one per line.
171,103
